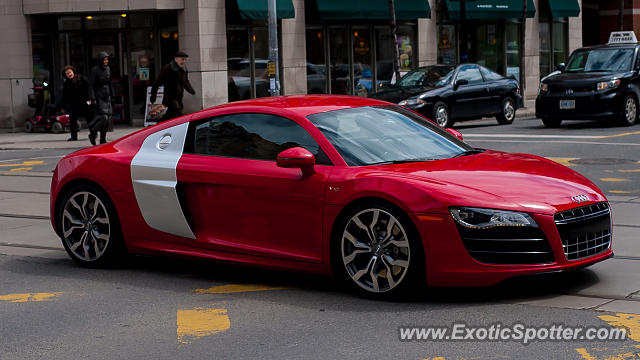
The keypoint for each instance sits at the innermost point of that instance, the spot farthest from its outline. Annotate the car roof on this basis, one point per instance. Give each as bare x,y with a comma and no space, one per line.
301,105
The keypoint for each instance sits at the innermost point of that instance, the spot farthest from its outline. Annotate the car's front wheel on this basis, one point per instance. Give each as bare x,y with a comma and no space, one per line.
441,115
89,227
508,113
629,111
377,251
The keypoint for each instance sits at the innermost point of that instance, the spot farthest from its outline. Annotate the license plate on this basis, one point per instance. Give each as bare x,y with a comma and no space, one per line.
567,104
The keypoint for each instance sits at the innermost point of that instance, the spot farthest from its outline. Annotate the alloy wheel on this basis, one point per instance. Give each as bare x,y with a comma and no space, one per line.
86,227
630,110
442,116
375,250
509,110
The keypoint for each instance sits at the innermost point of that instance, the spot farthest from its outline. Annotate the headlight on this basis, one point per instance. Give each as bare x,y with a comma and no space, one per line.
411,101
480,218
611,84
544,87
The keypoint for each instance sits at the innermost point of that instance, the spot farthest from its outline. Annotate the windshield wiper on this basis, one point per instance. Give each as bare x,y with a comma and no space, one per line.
470,152
404,161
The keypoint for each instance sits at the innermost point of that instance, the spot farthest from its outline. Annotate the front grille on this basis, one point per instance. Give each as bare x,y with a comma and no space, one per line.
584,231
576,89
507,245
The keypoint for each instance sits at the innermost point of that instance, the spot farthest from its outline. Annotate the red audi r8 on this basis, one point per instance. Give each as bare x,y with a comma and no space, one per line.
359,187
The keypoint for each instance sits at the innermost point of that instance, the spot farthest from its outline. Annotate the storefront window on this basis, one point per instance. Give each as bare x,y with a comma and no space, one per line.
559,33
512,43
316,67
447,44
238,65
142,63
553,39
545,48
362,73
339,61
488,46
261,53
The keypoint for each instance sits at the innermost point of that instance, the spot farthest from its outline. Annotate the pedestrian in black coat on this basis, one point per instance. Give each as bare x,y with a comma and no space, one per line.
76,99
102,92
175,78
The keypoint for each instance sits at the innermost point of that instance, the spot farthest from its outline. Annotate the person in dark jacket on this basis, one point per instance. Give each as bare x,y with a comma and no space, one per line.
102,91
76,99
175,78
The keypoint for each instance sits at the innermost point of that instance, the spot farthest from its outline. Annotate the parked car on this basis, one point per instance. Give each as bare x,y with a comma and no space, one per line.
448,93
598,83
357,187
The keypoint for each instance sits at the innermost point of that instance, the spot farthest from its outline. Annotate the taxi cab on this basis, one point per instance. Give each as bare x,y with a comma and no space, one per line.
597,83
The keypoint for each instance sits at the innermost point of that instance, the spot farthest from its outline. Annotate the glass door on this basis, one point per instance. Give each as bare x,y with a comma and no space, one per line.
362,61
339,61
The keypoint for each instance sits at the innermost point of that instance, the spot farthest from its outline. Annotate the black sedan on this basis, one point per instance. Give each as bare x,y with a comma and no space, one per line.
448,93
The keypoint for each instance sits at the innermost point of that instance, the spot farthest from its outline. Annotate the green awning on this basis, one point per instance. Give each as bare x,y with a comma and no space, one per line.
372,9
259,9
490,9
564,8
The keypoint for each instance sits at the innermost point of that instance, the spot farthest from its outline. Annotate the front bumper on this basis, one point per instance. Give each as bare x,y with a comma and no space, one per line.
588,105
449,263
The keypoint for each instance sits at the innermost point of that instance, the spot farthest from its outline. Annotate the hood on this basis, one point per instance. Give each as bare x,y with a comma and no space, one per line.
580,78
102,55
495,179
397,94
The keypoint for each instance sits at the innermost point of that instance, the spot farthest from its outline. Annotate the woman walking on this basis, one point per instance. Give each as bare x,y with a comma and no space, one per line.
102,90
76,99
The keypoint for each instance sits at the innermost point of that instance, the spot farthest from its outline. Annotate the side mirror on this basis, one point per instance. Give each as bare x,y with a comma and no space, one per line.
297,157
460,82
560,67
455,133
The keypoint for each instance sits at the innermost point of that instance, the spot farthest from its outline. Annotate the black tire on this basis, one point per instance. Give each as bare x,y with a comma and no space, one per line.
57,127
90,232
508,113
401,255
551,123
28,126
441,115
629,114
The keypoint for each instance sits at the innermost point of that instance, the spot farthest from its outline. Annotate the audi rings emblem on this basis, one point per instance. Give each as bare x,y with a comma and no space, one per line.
580,198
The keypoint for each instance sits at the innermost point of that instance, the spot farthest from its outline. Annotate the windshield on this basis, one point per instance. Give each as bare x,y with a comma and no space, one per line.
384,135
609,60
430,76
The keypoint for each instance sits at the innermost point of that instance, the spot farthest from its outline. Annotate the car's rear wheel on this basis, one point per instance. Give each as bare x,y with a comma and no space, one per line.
28,126
441,115
57,127
551,123
508,112
378,252
89,227
629,111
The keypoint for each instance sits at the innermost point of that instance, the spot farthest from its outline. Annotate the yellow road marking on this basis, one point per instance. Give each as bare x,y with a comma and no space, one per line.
17,298
630,171
21,169
620,192
585,355
609,171
238,288
196,323
614,179
619,135
562,161
24,163
629,321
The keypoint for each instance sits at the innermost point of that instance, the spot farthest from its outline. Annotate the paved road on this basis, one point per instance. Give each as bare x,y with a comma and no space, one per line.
160,308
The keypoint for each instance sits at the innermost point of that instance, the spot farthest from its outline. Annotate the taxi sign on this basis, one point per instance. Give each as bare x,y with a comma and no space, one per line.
622,37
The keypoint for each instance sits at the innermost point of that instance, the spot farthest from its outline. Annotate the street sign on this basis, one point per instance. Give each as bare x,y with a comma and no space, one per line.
271,69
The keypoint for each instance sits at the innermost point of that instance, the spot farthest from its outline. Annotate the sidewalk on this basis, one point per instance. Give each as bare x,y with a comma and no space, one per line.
45,140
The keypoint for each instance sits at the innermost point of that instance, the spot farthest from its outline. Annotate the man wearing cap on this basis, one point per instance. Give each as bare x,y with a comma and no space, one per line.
175,78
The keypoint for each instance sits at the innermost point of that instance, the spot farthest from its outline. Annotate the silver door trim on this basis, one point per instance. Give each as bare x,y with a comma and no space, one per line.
154,179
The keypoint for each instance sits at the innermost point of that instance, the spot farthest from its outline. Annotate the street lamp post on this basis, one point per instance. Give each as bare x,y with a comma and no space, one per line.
272,67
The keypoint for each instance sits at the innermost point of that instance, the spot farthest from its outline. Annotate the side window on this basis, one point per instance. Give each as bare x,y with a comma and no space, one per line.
490,75
470,73
252,136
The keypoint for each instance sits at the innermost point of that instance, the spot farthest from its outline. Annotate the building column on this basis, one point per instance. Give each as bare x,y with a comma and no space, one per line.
532,60
16,65
428,38
294,52
203,35
575,31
